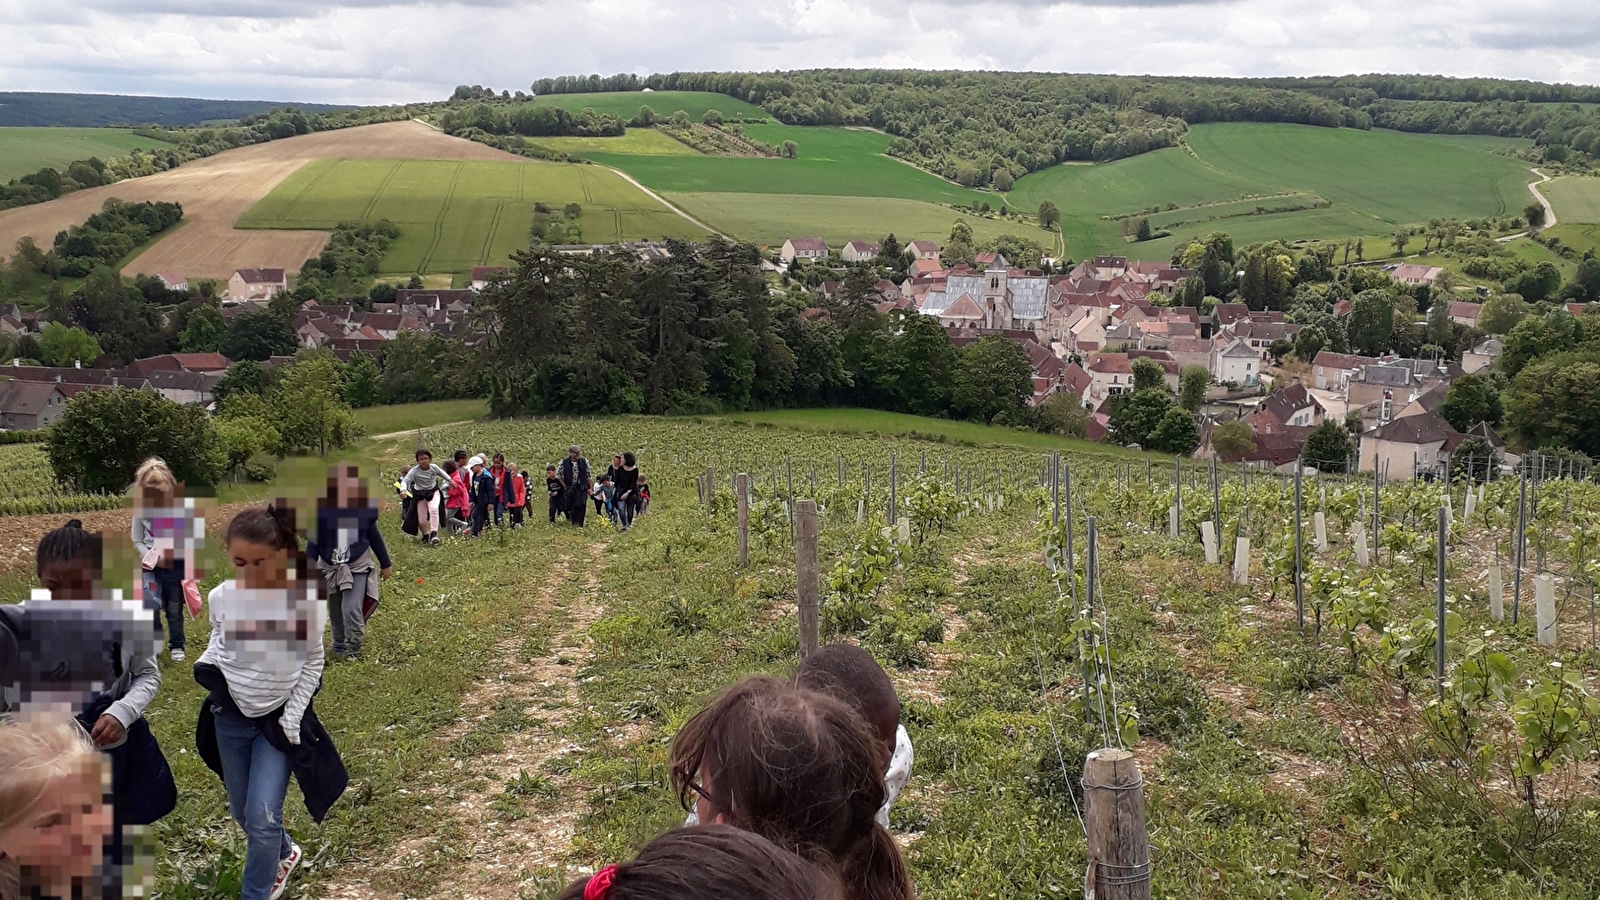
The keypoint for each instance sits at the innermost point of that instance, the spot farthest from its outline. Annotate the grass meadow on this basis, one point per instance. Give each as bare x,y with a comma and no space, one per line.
24,150
1374,179
836,161
637,142
770,218
457,214
626,104
1575,198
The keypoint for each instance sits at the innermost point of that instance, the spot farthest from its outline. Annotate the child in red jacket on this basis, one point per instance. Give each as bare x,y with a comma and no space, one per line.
515,492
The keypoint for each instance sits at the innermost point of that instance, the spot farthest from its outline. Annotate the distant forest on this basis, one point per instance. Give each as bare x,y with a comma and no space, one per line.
969,126
99,110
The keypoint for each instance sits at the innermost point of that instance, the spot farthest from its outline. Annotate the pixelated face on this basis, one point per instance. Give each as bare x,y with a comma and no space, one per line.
62,836
259,566
70,579
347,487
154,497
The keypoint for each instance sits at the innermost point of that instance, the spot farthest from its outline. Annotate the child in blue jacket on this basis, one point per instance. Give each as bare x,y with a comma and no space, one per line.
484,494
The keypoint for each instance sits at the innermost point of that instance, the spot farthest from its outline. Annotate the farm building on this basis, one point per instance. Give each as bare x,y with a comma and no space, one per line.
1464,313
257,284
803,248
858,251
1413,274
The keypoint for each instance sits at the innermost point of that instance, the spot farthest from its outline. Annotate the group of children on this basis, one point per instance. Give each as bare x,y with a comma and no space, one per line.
787,782
77,662
461,496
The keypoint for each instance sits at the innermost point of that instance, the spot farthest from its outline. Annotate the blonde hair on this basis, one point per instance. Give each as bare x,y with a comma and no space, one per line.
36,752
153,475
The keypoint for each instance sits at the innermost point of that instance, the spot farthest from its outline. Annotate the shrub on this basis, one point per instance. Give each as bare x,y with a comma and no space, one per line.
103,436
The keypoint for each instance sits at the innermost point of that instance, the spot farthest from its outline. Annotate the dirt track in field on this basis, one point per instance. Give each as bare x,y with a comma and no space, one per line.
215,191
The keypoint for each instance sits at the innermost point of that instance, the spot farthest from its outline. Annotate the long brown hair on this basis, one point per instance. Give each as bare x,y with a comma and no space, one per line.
801,769
712,861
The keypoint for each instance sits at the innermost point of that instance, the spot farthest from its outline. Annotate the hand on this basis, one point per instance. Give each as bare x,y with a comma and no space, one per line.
293,734
107,731
384,573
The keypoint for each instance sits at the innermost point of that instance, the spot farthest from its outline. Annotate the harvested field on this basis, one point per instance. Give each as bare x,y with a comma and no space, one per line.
215,191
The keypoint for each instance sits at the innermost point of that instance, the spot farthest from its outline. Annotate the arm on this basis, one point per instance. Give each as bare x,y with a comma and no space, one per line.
142,689
379,548
143,540
310,677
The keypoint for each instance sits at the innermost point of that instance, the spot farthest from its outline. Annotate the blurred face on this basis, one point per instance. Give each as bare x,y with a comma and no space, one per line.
348,487
424,459
69,579
61,836
259,566
154,498
616,461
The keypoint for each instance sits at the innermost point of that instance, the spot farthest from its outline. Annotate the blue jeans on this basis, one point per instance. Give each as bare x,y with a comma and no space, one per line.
163,590
256,775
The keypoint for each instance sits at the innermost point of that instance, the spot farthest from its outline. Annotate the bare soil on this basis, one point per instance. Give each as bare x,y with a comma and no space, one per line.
215,191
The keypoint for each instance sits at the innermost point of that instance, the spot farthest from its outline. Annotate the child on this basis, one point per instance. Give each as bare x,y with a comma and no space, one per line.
498,471
263,665
456,506
165,534
423,484
349,549
601,493
644,498
483,490
515,494
556,490
54,819
847,672
709,861
625,491
66,631
800,769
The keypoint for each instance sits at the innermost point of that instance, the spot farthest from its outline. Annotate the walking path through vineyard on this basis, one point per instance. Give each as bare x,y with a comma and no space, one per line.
503,814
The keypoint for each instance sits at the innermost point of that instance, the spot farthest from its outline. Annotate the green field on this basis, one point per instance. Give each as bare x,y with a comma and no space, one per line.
379,420
24,150
770,218
1375,179
457,214
839,161
1575,198
626,103
877,423
637,142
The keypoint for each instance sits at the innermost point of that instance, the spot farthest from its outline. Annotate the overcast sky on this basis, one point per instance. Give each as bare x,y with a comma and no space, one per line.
376,51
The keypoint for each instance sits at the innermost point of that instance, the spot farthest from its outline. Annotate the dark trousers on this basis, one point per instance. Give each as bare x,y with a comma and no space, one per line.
556,507
480,516
163,589
499,507
516,516
578,508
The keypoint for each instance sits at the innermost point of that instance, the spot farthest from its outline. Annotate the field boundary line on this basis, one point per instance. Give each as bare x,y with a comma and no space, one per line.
438,221
664,202
494,228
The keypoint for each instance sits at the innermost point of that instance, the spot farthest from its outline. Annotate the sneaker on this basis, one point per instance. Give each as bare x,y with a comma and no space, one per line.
177,654
285,867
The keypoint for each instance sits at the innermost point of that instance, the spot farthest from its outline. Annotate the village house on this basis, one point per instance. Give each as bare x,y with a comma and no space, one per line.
483,276
924,250
1234,362
803,248
1332,371
172,282
1292,407
1464,313
1481,357
858,251
29,405
1274,451
1413,274
206,363
1409,445
257,284
1110,374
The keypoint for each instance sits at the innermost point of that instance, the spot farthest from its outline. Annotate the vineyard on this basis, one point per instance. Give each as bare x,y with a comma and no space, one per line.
1279,759
29,488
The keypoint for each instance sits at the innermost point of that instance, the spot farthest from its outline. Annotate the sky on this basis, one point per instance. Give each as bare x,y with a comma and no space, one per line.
389,51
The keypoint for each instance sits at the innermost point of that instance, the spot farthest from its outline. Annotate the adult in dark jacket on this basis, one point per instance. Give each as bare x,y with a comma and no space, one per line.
574,475
348,548
625,491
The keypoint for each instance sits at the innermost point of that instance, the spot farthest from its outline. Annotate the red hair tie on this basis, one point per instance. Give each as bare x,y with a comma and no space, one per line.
600,884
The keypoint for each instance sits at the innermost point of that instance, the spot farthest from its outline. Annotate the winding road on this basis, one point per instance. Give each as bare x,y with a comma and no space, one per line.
1549,211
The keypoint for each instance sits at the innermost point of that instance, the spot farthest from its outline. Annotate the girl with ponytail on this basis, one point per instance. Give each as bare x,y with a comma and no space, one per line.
799,768
262,666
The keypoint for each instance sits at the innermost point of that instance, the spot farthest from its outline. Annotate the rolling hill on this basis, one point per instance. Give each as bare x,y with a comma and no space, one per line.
99,110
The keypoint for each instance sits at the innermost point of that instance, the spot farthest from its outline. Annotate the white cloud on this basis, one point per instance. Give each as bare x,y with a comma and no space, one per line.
366,51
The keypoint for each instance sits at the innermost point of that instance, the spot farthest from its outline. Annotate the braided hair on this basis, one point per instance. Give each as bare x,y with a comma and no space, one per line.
70,543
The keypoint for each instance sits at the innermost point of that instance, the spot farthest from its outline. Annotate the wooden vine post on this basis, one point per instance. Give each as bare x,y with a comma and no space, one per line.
805,570
1119,845
741,492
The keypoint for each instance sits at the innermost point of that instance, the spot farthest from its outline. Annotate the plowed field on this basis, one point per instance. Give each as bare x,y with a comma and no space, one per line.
215,191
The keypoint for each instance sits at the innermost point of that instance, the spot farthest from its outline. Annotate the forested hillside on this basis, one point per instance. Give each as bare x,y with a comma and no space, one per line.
973,126
96,110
